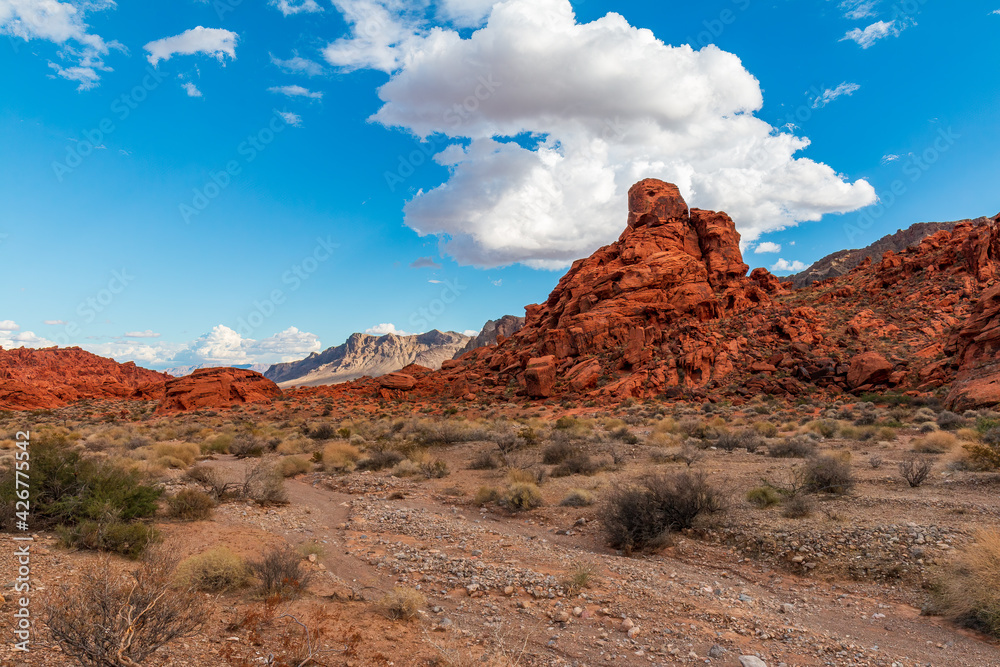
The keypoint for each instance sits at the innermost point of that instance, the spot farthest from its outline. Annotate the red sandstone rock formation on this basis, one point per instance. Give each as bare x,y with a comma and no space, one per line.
32,379
217,388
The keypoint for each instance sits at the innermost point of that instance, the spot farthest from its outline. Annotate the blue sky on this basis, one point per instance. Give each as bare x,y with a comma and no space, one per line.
246,182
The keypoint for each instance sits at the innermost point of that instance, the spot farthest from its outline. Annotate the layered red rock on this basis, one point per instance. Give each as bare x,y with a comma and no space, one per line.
977,355
32,379
214,388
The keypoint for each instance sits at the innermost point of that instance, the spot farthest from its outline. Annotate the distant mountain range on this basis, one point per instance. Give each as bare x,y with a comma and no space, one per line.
841,262
182,371
506,326
363,355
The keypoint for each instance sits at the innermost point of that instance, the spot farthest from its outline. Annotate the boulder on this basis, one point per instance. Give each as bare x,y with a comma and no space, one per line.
540,377
397,382
217,388
869,368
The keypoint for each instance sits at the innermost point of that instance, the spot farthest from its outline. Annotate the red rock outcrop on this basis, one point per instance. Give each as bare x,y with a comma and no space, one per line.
217,388
32,379
977,354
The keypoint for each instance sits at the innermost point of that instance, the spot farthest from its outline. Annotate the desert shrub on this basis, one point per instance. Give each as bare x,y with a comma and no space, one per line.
380,459
577,498
949,421
108,619
128,539
580,577
968,590
263,484
190,505
748,439
448,432
827,428
638,517
290,466
623,434
402,604
435,469
827,474
327,432
566,423
247,445
875,461
797,507
406,468
924,415
486,495
279,572
792,448
184,451
763,496
218,445
559,451
521,496
217,570
580,464
340,456
915,470
765,429
938,442
210,480
693,428
991,436
484,460
884,434
68,488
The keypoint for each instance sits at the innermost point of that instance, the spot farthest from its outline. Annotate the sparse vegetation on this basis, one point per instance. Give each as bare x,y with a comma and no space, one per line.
968,590
190,505
402,604
217,570
915,470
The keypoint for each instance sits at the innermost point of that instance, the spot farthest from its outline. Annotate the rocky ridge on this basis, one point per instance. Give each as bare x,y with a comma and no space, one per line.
32,379
366,355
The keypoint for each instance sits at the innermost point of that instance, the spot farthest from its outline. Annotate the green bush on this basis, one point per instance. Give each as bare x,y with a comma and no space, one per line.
521,496
67,489
125,539
216,571
190,505
763,496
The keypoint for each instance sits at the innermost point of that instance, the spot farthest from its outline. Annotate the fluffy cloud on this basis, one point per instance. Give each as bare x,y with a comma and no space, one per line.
830,94
470,332
858,9
385,328
61,23
465,13
296,91
12,337
424,263
298,65
767,247
873,33
551,121
214,42
290,7
784,266
191,89
292,119
220,347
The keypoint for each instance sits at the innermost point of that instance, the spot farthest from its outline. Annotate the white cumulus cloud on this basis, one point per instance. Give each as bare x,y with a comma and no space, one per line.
191,89
296,91
62,23
550,122
221,346
214,42
876,31
830,94
11,337
9,325
292,119
784,266
298,65
385,328
290,7
767,247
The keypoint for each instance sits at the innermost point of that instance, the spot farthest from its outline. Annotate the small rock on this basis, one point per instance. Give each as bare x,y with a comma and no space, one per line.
751,661
716,651
633,632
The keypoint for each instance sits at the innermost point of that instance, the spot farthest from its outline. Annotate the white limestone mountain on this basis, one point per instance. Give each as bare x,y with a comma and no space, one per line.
506,326
373,356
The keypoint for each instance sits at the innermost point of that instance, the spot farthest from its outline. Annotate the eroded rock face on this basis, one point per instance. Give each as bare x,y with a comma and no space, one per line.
868,369
217,388
32,379
977,353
